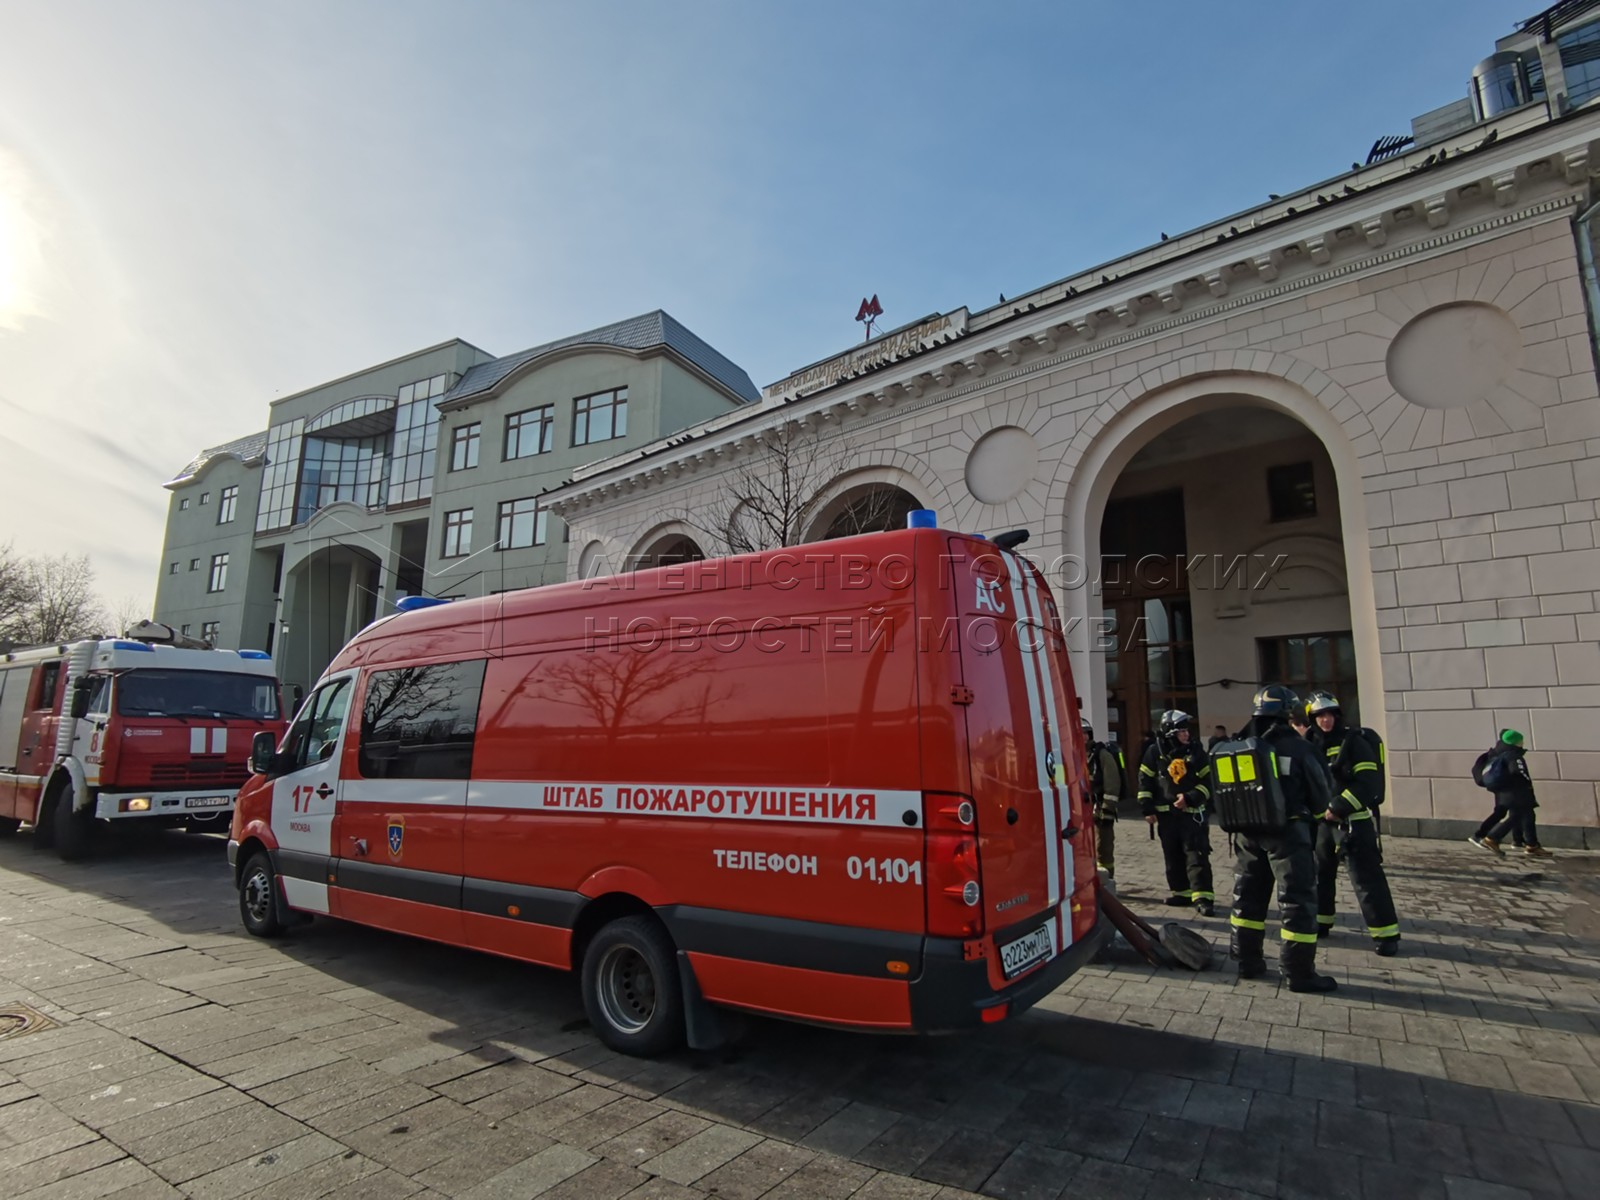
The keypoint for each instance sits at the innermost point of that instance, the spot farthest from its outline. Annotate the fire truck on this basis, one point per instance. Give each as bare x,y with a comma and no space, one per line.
111,732
839,783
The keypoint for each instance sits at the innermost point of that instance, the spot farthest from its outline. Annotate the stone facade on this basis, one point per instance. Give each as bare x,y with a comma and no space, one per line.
1426,321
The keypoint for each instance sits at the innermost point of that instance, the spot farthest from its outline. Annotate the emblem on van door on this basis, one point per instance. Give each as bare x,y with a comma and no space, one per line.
397,836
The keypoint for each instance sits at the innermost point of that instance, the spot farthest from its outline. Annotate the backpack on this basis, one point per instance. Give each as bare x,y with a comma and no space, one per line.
1381,753
1496,774
1246,794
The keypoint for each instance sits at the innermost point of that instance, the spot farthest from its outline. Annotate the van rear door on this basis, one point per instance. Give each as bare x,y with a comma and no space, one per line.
1017,757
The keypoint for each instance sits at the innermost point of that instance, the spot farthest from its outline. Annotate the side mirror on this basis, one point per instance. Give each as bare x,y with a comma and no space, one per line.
263,753
79,701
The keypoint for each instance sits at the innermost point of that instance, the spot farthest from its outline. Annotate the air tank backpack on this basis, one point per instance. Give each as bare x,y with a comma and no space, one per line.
1246,794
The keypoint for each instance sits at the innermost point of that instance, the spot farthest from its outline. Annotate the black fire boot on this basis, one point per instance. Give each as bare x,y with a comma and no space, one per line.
1298,960
1244,946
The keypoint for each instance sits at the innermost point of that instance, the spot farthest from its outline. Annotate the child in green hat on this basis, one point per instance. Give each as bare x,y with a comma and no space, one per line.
1503,770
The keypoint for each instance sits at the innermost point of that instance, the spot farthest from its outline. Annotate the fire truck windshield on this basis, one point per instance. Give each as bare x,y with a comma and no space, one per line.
156,692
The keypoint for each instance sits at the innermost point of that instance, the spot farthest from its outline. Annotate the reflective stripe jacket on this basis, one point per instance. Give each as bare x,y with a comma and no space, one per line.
1164,776
1354,767
1106,774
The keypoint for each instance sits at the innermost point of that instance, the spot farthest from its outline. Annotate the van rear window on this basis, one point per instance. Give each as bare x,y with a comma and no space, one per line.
421,722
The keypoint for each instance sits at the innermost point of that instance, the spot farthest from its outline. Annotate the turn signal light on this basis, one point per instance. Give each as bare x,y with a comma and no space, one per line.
896,967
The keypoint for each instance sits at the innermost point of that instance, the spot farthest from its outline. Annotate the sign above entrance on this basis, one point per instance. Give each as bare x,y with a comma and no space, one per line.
911,339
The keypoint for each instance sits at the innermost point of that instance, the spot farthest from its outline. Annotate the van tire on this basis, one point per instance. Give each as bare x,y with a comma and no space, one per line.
258,898
631,988
9,826
74,831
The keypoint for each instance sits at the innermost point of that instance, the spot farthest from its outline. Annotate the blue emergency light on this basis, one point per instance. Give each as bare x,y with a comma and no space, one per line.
922,518
413,603
124,645
254,654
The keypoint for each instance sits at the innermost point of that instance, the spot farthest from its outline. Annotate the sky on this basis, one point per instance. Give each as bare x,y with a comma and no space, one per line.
208,205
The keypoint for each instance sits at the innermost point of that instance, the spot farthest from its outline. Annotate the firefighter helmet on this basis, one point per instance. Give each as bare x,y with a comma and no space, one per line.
1087,728
1322,702
1276,700
1173,720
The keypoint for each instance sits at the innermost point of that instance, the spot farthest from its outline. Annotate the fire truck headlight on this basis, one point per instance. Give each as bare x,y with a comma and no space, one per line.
137,804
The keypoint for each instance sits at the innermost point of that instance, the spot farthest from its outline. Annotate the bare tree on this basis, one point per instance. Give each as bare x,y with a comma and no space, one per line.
775,496
59,603
125,613
14,591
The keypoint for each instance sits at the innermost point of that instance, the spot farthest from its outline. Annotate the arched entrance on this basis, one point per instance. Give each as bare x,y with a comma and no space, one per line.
668,550
1223,528
866,508
329,597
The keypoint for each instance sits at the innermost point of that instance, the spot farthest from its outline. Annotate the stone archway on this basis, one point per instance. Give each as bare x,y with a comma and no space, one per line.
1102,451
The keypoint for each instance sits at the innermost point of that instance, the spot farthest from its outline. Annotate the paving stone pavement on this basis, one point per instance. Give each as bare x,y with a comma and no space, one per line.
192,1060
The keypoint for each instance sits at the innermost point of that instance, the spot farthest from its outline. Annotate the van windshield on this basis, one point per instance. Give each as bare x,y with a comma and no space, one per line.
215,694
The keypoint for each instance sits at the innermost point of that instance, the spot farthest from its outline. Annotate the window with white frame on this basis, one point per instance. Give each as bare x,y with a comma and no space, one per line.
218,580
228,505
209,630
600,417
457,534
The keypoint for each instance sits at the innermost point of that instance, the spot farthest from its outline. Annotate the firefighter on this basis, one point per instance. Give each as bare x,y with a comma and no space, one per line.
1348,829
1105,782
1173,794
1288,856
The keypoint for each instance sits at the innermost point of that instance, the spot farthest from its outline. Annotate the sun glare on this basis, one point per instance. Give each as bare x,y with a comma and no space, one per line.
19,243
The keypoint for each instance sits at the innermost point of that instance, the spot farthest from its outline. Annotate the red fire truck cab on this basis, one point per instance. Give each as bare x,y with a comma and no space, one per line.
839,783
119,730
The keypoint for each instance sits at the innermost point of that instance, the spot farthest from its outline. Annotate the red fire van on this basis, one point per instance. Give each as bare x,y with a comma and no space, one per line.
839,783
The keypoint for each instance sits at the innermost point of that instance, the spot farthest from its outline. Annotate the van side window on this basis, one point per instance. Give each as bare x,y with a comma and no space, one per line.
315,735
420,722
49,677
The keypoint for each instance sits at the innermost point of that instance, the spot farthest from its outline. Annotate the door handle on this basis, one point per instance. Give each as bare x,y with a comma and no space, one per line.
324,792
361,846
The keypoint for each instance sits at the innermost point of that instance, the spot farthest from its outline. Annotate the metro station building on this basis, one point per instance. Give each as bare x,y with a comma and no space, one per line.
1347,439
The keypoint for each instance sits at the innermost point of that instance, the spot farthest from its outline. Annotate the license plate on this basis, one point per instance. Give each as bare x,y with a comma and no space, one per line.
207,801
1017,956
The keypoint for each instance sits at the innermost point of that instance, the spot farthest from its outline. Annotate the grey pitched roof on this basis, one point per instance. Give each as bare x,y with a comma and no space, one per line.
245,449
636,333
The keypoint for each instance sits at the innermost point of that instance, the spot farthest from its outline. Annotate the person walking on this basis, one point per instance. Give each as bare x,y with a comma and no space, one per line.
1105,784
1503,769
1173,793
1347,830
1286,856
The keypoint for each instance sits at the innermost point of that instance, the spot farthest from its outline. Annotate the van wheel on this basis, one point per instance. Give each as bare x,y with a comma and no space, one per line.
258,897
631,989
9,826
74,830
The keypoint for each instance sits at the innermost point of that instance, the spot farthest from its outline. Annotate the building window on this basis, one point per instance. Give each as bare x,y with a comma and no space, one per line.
464,447
279,475
522,523
219,573
600,417
183,504
457,533
185,630
172,569
530,432
205,498
229,505
416,439
194,564
1291,492
209,629
1580,62
1314,662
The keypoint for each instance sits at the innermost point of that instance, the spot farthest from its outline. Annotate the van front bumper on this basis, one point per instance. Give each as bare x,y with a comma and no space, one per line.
954,993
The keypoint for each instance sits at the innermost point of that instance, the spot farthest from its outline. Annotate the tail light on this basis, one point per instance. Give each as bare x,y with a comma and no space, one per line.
954,890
